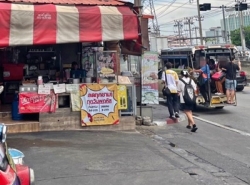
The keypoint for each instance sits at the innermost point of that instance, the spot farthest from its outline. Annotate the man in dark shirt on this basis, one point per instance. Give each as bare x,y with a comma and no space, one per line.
231,68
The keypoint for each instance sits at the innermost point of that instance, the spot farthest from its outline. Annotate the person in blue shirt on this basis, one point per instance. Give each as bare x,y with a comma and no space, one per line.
205,72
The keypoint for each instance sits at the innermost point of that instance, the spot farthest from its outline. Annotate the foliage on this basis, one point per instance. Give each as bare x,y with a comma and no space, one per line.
235,36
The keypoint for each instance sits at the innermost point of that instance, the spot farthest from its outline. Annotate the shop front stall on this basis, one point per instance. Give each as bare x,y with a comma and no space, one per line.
70,73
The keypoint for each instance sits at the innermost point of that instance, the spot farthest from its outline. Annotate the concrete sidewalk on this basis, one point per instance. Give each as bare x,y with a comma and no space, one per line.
99,158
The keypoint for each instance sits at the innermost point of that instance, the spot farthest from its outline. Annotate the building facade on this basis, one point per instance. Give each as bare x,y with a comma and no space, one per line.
214,36
233,20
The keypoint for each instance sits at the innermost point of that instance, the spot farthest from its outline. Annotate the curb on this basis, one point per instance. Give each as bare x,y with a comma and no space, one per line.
174,121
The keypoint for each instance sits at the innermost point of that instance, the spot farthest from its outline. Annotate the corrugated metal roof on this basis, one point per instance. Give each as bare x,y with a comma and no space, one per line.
73,2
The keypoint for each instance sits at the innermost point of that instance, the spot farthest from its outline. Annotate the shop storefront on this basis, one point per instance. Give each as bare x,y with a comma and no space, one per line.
64,63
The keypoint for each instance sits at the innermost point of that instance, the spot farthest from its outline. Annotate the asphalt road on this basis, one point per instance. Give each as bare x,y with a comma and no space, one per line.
98,158
170,154
237,117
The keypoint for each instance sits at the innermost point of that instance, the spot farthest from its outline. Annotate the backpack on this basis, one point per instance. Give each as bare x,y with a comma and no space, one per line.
189,93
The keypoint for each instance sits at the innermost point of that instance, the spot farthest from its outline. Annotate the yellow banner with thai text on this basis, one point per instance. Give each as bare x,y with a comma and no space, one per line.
99,104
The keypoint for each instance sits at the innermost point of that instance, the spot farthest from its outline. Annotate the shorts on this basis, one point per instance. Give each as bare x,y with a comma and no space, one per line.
230,84
187,107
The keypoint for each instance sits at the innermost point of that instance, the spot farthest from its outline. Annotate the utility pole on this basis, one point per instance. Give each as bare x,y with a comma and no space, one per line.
199,19
242,36
178,24
196,36
224,22
189,21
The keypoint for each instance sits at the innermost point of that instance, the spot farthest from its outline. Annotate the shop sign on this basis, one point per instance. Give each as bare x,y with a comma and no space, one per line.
32,102
122,97
150,93
99,104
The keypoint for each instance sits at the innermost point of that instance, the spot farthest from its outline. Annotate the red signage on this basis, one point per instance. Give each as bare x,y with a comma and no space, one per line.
32,102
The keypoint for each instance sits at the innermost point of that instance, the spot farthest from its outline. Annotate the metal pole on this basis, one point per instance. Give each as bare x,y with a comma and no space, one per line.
199,19
190,32
224,22
139,5
196,35
243,41
228,31
179,33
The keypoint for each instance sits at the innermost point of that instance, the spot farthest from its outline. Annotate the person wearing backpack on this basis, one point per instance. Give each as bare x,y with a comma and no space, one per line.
187,92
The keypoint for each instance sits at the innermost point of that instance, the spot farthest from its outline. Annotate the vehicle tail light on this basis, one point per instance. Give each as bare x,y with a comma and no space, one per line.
243,73
227,46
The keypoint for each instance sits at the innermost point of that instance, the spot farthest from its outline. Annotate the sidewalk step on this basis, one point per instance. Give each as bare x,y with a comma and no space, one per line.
5,115
20,126
173,121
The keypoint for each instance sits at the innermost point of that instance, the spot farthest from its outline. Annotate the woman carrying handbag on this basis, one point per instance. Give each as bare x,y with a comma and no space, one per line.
170,79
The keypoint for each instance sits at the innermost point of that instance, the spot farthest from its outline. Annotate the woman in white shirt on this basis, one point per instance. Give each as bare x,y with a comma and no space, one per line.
187,108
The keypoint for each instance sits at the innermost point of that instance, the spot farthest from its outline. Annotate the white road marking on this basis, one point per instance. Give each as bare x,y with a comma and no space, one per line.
222,126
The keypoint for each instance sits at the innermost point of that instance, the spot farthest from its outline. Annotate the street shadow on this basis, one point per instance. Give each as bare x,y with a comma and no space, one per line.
206,110
212,111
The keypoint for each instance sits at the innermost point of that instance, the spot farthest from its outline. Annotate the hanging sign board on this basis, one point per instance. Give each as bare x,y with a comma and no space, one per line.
72,88
32,102
44,89
59,88
99,104
150,92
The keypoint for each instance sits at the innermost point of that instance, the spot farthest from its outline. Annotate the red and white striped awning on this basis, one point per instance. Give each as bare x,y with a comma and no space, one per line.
23,24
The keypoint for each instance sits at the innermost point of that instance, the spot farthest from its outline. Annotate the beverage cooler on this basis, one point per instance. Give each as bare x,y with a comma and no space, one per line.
131,69
131,99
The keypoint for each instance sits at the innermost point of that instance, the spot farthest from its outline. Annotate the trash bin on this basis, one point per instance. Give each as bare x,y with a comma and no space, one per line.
15,108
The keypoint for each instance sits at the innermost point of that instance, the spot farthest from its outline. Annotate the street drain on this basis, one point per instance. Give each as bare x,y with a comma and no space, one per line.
192,174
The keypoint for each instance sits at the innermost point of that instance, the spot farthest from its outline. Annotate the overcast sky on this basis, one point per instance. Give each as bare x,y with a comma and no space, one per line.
182,8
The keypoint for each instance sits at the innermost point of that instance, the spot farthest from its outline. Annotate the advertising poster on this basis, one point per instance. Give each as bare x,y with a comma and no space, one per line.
150,93
74,90
88,58
122,97
99,104
32,102
106,66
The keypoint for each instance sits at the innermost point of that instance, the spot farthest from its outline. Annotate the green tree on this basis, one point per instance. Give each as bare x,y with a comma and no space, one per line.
235,36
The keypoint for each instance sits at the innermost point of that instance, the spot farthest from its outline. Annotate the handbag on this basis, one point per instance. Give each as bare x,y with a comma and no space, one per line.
218,76
165,90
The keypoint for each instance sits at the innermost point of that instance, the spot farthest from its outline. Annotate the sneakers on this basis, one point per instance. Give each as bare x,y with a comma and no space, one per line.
218,93
172,117
192,129
177,115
